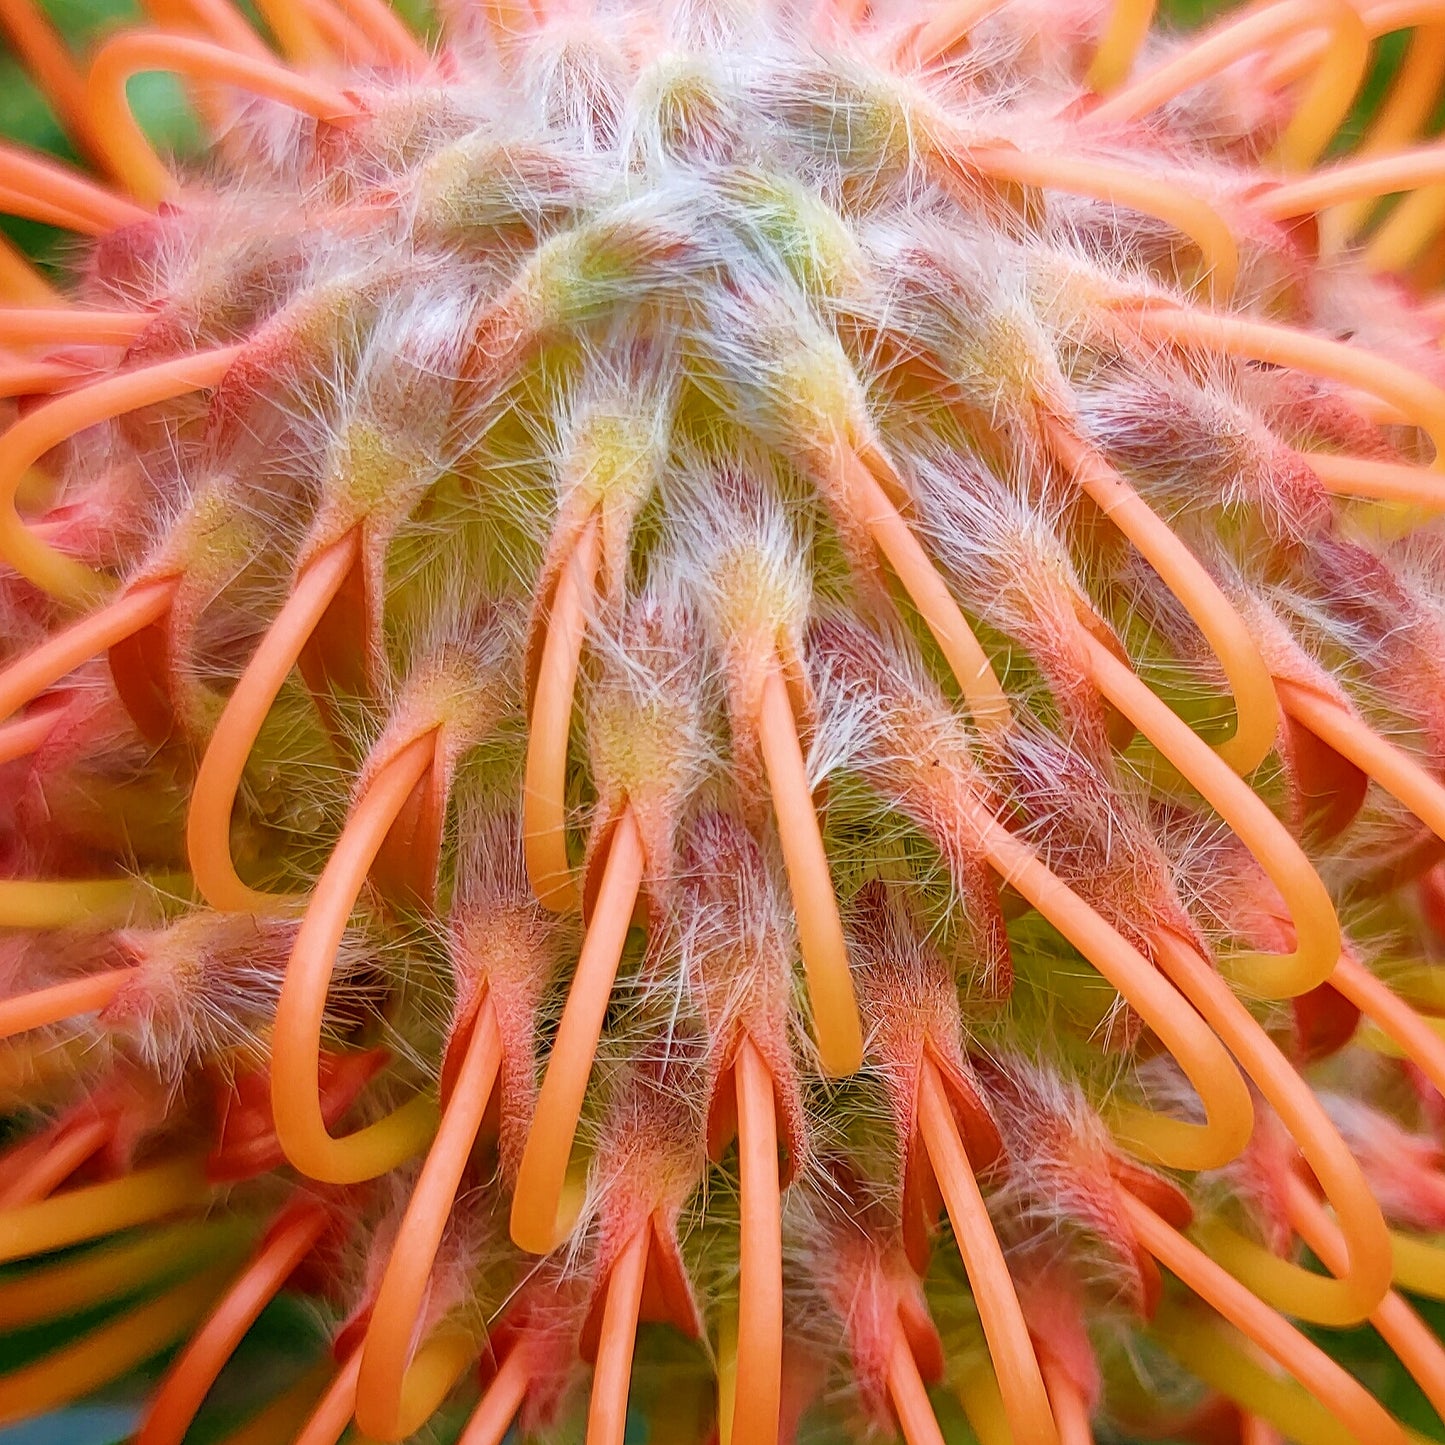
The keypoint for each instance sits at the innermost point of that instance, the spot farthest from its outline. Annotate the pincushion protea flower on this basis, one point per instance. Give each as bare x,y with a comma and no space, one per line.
773,671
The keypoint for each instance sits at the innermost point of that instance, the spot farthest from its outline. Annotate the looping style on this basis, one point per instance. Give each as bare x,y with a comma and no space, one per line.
792,647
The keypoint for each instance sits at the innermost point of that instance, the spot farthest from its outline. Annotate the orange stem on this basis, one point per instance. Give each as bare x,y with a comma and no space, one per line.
1394,1017
607,1410
1337,76
328,1421
56,421
544,789
58,656
758,1381
61,1001
1400,386
36,378
49,63
539,1220
1305,1295
131,154
1340,1393
498,1407
945,30
188,1381
1317,929
93,209
1255,703
63,1156
1129,25
218,779
820,929
1071,1411
1229,1114
1355,179
1413,1341
56,325
1378,758
1025,1400
1117,185
910,1400
296,1039
928,592
387,1350
387,31
20,281
26,734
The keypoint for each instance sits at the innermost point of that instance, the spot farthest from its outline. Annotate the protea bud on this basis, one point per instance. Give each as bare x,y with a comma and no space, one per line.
767,670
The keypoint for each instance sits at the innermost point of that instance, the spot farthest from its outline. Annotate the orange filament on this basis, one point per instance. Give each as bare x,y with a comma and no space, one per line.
970,665
1410,1031
1340,1393
1419,1266
282,1418
431,1377
208,823
1255,702
298,37
40,207
1407,231
61,1001
1117,185
386,1351
945,30
540,1218
328,1421
1412,1340
544,789
296,1040
26,734
53,326
1375,756
757,1372
1298,1292
186,1384
42,667
218,19
1158,1138
131,154
498,1407
123,1267
820,929
1025,1400
36,181
51,66
1317,929
100,1209
1214,1352
910,1400
607,1409
1071,1410
65,903
62,1156
19,280
387,31
1128,28
105,1353
1413,92
47,426
1337,76
1355,179
36,378
1401,386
